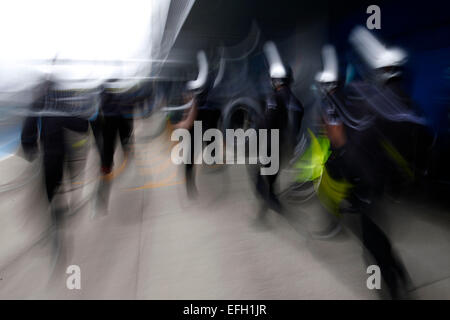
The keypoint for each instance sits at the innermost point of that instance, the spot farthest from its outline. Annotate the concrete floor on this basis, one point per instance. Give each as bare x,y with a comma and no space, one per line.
155,243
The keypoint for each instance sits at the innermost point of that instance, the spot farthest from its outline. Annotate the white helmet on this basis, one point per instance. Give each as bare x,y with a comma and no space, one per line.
330,65
276,67
373,52
202,73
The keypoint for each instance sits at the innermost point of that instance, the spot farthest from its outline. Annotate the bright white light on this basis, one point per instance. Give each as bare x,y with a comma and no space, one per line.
78,30
116,37
74,29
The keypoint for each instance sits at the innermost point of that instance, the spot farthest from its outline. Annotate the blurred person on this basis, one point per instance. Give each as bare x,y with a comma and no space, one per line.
364,170
58,119
358,156
114,121
283,112
52,133
197,93
399,125
115,118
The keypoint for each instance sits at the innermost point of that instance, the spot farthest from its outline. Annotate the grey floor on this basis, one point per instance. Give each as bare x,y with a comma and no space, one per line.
155,243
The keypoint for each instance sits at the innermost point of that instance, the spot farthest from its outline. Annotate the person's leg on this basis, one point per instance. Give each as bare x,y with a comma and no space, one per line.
125,127
53,162
54,154
280,122
274,202
54,150
76,146
265,186
377,243
53,170
205,117
97,130
110,129
191,188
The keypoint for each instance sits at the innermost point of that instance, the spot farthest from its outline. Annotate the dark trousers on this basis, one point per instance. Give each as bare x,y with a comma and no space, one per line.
53,170
368,179
209,119
111,126
265,185
265,188
96,126
55,149
379,246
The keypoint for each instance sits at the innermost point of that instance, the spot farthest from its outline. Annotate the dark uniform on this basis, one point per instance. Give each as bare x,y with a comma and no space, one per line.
114,113
209,118
116,118
362,161
55,111
283,112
